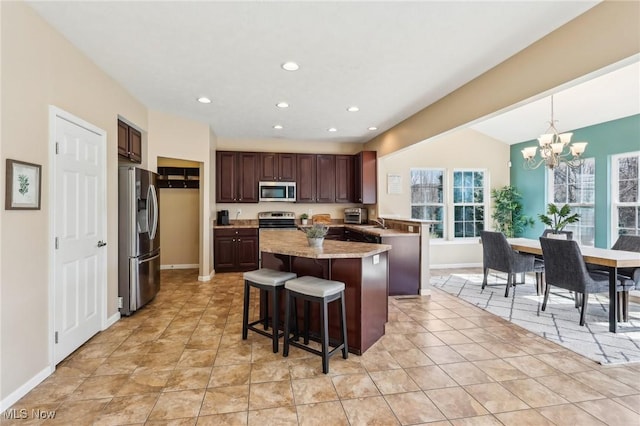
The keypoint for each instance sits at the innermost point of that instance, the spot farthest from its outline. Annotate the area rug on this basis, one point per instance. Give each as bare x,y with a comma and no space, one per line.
559,322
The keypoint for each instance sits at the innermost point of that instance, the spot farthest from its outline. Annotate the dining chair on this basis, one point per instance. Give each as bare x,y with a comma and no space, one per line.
498,255
626,243
565,268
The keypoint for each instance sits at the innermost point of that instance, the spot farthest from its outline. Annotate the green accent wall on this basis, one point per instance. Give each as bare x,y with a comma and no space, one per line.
605,139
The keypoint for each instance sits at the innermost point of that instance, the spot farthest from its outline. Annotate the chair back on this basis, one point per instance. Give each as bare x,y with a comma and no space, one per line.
496,251
627,243
569,234
563,264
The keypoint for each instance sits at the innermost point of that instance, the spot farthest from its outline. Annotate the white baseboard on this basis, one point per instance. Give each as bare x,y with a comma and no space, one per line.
183,266
456,265
206,277
112,320
14,396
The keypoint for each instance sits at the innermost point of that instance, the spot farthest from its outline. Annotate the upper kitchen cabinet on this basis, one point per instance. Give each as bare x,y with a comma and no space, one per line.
325,178
236,177
365,177
306,178
344,178
129,142
276,167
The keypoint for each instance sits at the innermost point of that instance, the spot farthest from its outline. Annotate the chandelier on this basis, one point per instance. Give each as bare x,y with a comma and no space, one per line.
554,149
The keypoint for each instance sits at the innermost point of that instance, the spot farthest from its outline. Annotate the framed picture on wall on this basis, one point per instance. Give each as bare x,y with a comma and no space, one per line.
22,186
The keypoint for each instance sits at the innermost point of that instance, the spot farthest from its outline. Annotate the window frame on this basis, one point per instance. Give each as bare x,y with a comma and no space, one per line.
486,201
614,197
444,198
550,198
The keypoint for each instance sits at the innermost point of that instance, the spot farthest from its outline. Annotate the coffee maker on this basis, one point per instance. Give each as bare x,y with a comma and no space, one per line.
223,217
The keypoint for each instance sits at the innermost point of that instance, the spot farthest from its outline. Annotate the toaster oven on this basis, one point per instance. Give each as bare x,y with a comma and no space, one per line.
355,215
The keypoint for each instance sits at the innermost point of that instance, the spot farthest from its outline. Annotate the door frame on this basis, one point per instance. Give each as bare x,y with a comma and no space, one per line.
54,113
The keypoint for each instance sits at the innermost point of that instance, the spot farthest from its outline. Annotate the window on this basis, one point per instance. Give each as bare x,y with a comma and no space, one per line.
427,198
625,194
576,187
468,203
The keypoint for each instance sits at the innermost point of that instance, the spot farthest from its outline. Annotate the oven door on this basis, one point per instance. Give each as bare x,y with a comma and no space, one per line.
277,191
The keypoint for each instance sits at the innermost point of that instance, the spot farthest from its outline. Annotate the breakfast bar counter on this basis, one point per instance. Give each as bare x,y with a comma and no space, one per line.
362,267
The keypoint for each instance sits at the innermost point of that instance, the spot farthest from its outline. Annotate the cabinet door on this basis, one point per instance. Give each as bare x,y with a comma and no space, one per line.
344,178
224,253
268,166
226,177
135,145
247,253
306,178
123,139
326,178
247,177
287,167
365,177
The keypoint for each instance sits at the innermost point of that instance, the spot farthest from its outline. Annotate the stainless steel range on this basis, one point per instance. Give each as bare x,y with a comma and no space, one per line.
277,220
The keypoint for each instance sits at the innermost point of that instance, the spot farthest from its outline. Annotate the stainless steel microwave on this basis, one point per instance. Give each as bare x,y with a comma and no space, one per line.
277,191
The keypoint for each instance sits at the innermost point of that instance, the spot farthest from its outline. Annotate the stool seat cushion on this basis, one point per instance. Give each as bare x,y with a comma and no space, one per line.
266,276
313,286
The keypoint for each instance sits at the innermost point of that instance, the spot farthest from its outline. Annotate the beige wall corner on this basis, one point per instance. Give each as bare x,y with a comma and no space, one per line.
606,34
179,138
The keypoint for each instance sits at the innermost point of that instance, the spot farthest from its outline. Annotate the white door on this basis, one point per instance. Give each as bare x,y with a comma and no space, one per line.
79,199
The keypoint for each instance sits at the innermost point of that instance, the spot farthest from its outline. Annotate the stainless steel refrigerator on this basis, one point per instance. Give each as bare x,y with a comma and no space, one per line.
138,238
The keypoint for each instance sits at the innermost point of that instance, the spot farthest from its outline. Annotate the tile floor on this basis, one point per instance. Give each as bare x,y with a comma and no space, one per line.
181,361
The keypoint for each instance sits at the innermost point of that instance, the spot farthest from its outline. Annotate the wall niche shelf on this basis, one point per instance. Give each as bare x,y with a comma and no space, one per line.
179,177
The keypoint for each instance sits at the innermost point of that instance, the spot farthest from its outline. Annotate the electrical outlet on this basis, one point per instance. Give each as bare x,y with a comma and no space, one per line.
410,228
120,303
310,212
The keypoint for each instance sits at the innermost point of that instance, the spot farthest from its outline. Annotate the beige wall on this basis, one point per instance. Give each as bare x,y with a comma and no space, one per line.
40,68
603,35
461,149
250,211
183,139
179,221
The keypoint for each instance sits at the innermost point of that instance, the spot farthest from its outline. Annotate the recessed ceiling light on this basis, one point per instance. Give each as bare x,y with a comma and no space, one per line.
353,109
332,129
373,128
277,127
282,105
290,66
204,100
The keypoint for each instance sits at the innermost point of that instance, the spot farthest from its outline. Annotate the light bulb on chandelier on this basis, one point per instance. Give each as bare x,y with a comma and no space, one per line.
554,149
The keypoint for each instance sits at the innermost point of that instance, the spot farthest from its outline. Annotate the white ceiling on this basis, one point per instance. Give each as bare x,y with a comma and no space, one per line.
391,59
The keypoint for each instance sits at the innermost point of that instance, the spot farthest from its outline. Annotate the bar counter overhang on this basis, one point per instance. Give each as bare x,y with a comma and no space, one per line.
363,267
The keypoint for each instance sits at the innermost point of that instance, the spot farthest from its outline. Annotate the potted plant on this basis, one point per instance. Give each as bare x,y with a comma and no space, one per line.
315,234
557,218
507,214
303,218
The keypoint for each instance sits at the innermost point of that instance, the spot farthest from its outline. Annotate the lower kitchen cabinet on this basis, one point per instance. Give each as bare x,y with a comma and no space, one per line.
235,249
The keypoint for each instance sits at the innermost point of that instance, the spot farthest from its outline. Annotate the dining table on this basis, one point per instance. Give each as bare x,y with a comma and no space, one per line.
611,259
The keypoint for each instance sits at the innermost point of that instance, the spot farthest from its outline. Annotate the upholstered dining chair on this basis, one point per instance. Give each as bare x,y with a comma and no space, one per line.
498,255
626,243
565,268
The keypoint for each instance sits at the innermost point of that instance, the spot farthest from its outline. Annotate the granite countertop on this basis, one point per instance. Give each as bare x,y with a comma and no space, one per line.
388,232
294,243
234,226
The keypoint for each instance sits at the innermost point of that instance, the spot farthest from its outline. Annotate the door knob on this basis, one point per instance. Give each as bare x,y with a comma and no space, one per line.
101,243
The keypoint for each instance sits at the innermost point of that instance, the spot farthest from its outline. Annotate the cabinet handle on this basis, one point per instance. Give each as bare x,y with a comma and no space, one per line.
238,239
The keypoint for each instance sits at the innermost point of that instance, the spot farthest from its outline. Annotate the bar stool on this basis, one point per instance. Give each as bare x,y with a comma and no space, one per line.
312,289
272,282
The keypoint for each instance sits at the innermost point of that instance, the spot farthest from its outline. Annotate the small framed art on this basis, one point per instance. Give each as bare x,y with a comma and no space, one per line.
22,186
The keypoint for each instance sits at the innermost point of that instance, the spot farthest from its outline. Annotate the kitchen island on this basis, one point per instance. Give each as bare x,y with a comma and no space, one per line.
363,267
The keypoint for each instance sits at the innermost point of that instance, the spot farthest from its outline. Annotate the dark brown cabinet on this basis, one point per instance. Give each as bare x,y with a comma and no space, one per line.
178,177
325,178
344,178
365,177
236,177
277,167
235,249
129,142
306,178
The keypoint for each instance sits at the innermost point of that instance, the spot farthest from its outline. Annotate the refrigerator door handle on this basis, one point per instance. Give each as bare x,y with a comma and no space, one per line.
153,224
149,259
